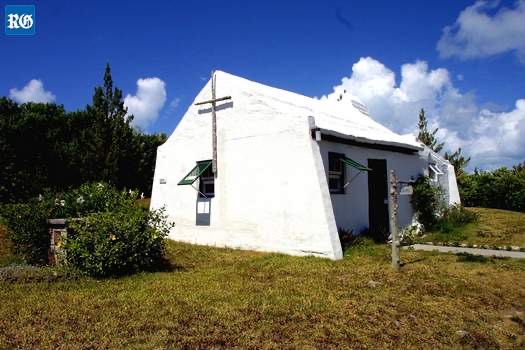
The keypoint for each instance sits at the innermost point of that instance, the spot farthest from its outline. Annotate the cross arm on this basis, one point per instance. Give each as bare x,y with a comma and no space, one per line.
214,100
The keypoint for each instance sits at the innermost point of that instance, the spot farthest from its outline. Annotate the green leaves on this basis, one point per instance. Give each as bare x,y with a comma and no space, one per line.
426,136
501,188
27,229
457,160
425,201
117,243
44,147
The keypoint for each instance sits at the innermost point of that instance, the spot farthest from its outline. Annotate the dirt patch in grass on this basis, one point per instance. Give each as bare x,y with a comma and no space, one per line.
223,298
495,227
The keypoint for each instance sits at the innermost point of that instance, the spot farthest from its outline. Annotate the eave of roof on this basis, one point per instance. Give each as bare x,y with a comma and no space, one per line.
333,136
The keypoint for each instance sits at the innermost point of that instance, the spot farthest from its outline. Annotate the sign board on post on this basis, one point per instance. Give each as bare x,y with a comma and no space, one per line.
406,190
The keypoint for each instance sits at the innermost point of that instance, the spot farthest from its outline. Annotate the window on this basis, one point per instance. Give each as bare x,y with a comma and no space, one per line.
434,172
207,183
336,173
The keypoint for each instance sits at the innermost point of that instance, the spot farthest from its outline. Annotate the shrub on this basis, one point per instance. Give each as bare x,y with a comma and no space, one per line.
425,201
87,199
27,230
501,188
454,217
410,233
347,238
27,223
117,243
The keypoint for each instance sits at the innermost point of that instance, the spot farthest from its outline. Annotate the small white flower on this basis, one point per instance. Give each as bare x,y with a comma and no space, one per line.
80,200
40,198
142,195
63,203
100,185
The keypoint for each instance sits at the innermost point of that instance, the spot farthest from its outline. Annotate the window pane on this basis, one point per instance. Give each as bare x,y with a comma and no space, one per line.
207,183
336,172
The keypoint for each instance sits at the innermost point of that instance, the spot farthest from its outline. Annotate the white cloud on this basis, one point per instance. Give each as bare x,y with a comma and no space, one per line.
32,92
491,138
174,104
147,103
477,33
391,105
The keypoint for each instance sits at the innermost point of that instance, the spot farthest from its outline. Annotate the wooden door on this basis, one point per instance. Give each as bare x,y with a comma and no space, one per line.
378,199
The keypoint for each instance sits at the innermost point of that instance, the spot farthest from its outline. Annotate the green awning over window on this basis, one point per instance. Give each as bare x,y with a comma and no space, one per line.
194,174
354,164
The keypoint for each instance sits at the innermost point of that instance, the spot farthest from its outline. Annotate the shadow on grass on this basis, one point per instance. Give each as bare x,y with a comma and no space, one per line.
404,263
166,265
466,257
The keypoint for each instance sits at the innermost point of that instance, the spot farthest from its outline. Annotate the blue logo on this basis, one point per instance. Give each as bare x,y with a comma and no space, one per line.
20,19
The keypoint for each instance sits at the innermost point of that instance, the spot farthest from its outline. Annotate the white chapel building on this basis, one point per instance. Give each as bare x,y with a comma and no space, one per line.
291,170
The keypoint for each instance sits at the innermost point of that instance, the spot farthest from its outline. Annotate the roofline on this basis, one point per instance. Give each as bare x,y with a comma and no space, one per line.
332,136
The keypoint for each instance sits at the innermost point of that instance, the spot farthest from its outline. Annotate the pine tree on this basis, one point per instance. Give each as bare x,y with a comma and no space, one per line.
427,137
458,161
112,135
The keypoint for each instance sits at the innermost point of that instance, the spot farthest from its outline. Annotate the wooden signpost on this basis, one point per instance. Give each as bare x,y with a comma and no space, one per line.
393,221
213,102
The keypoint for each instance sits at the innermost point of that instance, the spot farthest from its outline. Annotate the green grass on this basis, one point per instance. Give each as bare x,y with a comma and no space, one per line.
494,227
222,298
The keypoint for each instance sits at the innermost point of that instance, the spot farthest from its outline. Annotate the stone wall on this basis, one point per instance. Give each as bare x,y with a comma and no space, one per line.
57,233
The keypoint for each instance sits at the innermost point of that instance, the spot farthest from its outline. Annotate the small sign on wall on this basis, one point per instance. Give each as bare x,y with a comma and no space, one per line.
406,190
163,181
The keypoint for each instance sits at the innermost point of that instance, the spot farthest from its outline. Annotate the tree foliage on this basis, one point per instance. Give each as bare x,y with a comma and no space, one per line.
426,201
502,188
27,230
458,160
428,137
45,147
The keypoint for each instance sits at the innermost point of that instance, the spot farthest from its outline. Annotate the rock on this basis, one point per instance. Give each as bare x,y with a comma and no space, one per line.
373,284
461,333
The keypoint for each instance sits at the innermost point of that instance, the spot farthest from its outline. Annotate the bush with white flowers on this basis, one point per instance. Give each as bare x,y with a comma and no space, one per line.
108,232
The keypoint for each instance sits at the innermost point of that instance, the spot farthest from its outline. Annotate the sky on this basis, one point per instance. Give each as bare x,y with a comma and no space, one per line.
463,61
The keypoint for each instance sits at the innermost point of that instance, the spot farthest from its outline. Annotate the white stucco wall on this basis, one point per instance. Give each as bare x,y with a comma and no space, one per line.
446,181
351,208
271,192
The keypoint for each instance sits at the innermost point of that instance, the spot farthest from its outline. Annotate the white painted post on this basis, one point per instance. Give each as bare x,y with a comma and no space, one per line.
393,220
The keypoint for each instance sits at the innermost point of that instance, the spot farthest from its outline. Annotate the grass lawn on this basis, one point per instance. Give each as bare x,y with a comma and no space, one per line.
222,298
494,227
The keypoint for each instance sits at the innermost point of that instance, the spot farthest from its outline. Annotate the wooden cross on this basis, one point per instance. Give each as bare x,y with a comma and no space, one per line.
213,102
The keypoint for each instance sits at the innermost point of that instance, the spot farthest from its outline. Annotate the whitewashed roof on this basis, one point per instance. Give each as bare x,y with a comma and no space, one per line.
337,118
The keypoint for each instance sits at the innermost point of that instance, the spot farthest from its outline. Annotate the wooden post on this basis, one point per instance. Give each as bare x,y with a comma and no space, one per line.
213,102
393,220
214,125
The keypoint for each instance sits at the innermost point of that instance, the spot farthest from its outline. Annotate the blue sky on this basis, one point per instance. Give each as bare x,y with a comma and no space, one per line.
302,46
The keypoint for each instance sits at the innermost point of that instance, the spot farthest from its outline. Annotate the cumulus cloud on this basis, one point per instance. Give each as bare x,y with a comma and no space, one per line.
478,33
32,92
148,101
491,138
